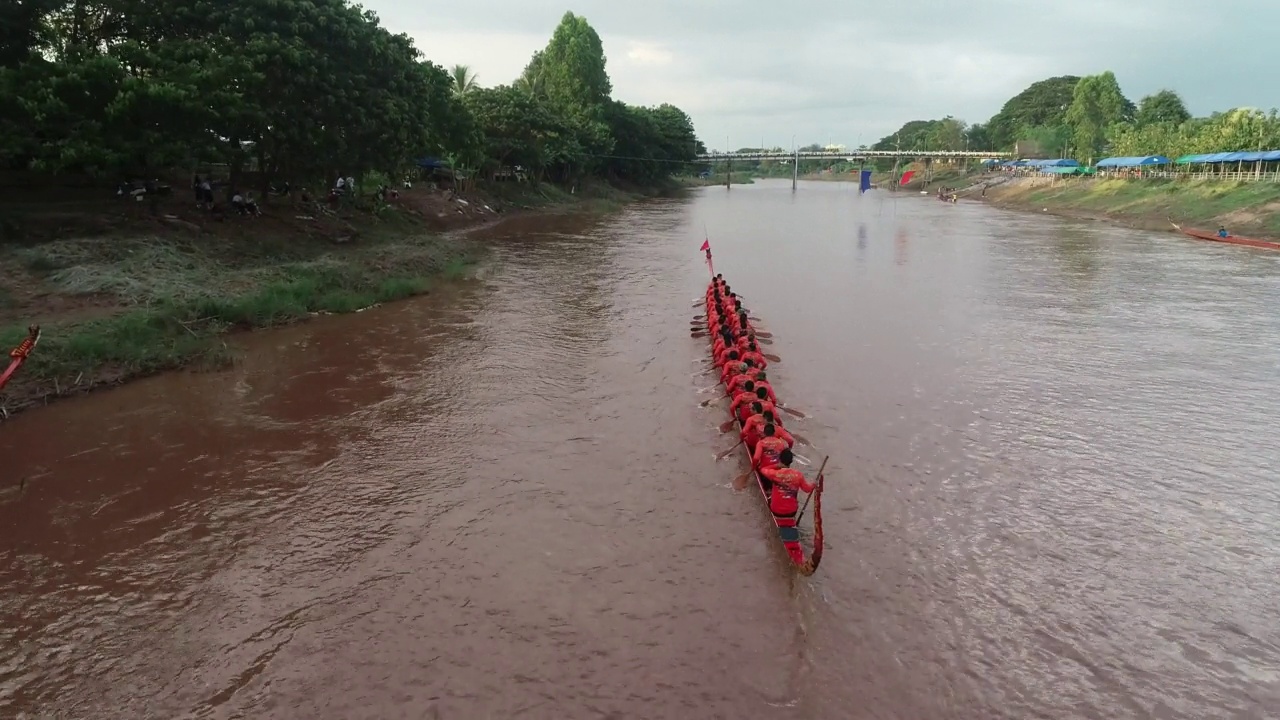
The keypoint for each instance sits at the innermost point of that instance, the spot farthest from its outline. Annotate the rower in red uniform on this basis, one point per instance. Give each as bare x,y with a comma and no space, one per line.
768,450
731,371
753,353
715,318
744,411
742,401
743,385
764,390
785,481
753,430
723,343
748,381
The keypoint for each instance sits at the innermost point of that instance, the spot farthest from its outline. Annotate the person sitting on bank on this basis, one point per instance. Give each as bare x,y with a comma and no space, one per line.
1222,231
244,204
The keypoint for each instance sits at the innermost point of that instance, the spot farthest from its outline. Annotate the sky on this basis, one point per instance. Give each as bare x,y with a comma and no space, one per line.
753,72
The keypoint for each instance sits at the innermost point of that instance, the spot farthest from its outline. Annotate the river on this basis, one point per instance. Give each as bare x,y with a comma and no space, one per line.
1049,493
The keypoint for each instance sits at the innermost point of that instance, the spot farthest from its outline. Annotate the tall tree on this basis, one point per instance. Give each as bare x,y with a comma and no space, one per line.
21,22
570,70
303,89
464,80
1096,104
1048,141
573,66
947,134
913,135
1165,106
978,137
1043,103
532,80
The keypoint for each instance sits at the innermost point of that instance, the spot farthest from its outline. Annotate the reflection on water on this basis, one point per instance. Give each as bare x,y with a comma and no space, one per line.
1051,492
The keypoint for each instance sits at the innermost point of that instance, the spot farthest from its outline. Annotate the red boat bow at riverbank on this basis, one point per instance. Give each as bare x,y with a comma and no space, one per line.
19,355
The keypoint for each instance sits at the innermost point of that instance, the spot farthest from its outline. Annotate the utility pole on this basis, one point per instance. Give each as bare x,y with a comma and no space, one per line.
795,164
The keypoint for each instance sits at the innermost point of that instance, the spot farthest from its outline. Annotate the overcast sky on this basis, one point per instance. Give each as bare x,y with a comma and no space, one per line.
852,71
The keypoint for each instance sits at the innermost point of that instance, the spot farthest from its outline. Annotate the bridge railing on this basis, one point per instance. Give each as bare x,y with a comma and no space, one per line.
855,155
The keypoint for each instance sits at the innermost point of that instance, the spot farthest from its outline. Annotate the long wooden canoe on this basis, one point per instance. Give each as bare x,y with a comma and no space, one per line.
1230,239
788,531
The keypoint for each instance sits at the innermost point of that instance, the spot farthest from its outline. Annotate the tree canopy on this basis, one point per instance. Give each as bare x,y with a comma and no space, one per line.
1088,118
1043,103
1096,104
1165,106
302,89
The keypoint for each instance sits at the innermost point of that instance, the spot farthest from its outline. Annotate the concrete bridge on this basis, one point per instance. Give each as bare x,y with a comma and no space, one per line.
858,156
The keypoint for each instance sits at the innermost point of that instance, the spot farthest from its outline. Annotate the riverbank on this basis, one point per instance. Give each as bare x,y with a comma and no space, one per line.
124,290
1250,209
738,178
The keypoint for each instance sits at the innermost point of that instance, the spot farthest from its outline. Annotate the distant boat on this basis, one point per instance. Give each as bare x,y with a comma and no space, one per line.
1230,239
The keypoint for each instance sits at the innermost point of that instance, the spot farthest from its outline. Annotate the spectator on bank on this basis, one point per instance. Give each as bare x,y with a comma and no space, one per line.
244,204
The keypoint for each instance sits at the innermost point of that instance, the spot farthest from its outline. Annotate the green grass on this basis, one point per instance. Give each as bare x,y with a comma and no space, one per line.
183,301
179,295
135,343
1245,206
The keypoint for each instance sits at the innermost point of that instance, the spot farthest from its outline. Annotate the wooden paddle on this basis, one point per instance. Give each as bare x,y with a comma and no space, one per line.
703,302
789,411
819,489
728,426
725,454
699,333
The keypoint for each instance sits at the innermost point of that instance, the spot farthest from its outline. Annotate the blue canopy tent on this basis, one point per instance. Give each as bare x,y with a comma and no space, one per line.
1131,162
1055,166
1225,157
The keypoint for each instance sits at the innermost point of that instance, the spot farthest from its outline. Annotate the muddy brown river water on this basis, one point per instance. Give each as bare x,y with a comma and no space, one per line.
1053,489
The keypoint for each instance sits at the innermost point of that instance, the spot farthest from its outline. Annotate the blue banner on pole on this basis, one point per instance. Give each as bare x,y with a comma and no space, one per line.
864,184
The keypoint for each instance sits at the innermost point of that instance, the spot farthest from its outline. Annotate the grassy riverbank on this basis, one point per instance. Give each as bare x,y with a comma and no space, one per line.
122,292
1246,208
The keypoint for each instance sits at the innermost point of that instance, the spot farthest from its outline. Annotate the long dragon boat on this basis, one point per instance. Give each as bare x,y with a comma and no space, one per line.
788,527
19,355
1230,239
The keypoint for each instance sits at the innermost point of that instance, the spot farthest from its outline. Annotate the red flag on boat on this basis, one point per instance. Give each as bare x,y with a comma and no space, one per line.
706,245
906,177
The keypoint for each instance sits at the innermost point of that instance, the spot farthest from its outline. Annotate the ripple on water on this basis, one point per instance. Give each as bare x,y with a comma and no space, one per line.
1050,492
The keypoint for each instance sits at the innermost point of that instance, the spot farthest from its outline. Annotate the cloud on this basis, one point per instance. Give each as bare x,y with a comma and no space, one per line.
648,53
853,71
